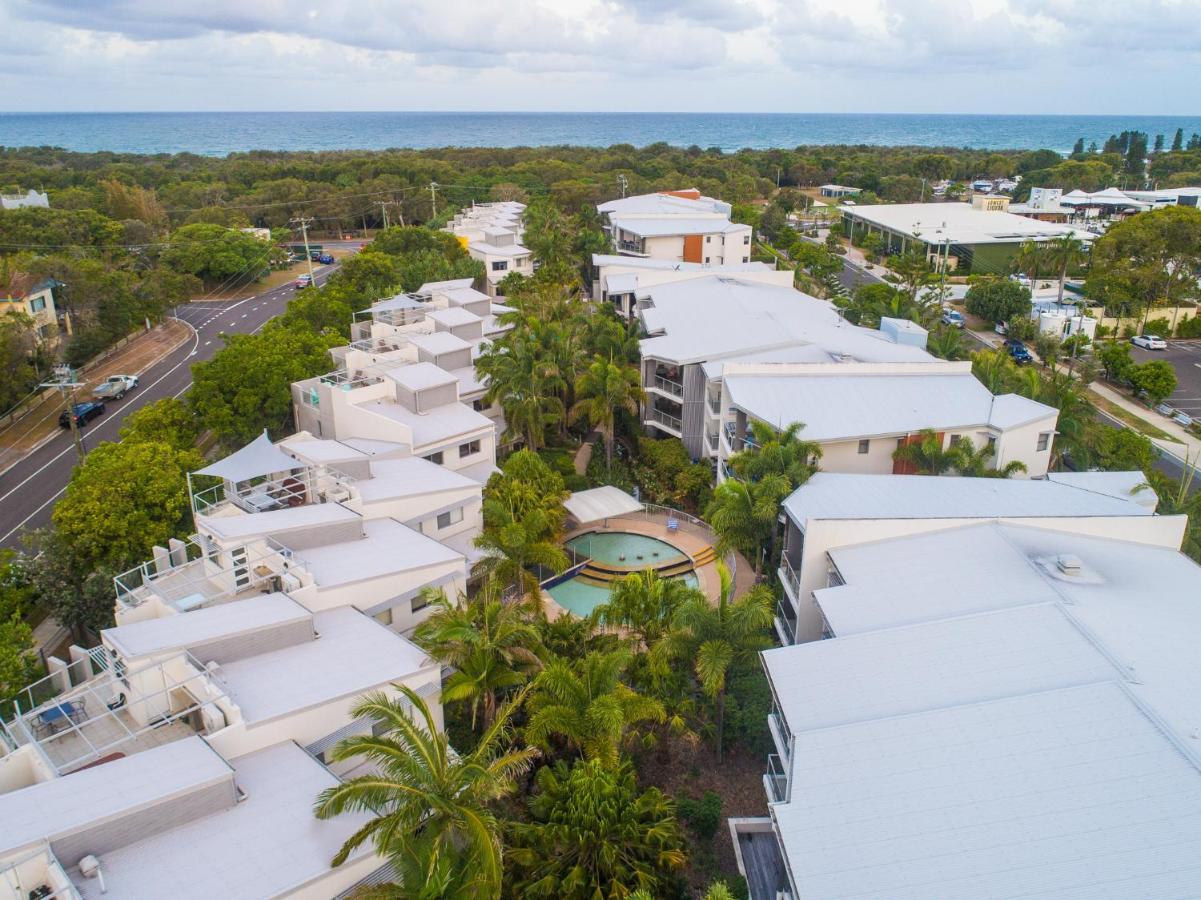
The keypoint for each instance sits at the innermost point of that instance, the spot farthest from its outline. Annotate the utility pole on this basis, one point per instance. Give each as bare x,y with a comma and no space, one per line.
383,205
64,382
433,200
303,224
625,184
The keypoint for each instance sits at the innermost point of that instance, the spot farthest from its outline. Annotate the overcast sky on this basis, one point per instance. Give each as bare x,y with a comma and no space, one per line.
984,56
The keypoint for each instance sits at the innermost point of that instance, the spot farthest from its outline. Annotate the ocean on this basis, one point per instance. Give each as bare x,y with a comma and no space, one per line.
217,134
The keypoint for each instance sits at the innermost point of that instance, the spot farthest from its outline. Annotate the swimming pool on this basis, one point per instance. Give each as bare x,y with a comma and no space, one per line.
620,550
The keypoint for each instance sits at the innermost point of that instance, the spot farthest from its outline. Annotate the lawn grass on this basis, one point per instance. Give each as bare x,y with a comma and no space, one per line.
1139,424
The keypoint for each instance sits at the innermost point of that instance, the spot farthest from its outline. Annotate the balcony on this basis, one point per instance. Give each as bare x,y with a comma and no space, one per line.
785,621
776,780
714,404
712,440
779,732
791,577
663,420
667,386
634,248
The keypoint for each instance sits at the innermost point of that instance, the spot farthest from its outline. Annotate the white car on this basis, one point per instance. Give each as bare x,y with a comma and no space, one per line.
1023,280
1149,342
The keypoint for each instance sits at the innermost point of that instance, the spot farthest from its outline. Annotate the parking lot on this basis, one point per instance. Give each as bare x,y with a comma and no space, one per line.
1185,357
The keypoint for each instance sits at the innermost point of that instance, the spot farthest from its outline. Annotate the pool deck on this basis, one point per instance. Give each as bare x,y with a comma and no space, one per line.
689,538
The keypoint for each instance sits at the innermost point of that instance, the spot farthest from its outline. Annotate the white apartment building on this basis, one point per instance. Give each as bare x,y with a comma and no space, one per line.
860,413
834,510
676,226
30,198
408,378
695,328
621,280
1008,707
492,233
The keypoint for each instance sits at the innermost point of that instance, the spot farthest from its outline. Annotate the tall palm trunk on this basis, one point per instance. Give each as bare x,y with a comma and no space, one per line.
721,719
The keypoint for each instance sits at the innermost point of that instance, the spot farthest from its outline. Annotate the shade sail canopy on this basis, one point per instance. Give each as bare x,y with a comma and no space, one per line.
259,457
400,301
600,503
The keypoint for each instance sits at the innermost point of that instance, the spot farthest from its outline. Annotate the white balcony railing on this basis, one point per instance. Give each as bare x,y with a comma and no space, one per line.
791,577
662,418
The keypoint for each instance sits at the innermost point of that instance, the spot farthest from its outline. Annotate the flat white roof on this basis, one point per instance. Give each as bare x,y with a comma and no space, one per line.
959,223
268,845
495,250
64,805
672,225
174,632
1067,793
604,260
392,479
434,426
664,204
438,343
453,316
933,665
274,521
599,503
857,404
316,451
352,654
723,316
419,376
470,381
386,548
829,495
463,296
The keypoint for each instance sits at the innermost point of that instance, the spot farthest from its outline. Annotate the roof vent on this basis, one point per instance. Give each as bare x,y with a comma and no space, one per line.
1069,564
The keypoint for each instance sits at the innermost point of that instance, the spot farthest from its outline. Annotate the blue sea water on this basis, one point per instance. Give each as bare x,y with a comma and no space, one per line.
219,133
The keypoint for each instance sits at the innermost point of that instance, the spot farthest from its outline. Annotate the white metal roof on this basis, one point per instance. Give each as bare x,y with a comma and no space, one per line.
664,204
437,287
385,548
434,426
621,282
932,665
351,655
259,457
174,632
419,376
439,342
64,805
596,504
857,404
313,451
453,316
1073,793
959,223
672,225
268,845
276,521
392,479
722,316
829,495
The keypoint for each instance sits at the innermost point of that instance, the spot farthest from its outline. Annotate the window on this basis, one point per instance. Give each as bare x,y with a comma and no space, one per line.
992,443
418,603
864,446
708,239
746,259
452,517
955,439
706,260
500,265
746,239
37,304
1044,440
435,457
385,617
469,449
478,405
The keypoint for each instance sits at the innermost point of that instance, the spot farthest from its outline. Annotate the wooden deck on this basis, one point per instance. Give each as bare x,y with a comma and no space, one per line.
764,867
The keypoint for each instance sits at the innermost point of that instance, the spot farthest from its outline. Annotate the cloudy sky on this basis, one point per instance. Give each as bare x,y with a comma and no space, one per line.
1036,56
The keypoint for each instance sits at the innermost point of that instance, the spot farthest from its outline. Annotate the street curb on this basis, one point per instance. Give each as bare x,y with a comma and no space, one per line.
48,438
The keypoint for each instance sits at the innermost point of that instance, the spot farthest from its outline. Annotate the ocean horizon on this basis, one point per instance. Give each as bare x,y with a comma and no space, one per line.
221,133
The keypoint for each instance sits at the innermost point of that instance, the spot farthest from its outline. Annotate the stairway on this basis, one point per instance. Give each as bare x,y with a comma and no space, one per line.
706,556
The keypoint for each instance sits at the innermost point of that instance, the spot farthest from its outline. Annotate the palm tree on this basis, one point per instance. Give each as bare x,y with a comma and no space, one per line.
430,808
926,454
1030,259
995,370
770,452
719,637
743,514
601,391
643,603
980,463
1180,497
585,703
1063,253
946,343
510,547
493,647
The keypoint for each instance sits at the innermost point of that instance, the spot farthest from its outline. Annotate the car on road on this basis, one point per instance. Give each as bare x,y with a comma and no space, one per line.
83,413
1149,342
953,318
303,282
325,259
114,387
1018,352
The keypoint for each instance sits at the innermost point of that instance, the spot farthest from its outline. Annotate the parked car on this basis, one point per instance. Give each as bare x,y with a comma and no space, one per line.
1149,342
302,282
115,387
1182,418
1018,352
83,413
325,259
953,318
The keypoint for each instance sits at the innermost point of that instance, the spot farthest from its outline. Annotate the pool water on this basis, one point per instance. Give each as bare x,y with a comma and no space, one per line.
615,548
618,548
581,598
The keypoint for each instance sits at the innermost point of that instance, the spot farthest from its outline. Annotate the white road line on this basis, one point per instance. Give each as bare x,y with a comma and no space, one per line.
70,448
206,343
21,524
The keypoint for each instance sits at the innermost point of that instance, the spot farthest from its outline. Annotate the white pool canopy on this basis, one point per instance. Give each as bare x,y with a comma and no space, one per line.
600,503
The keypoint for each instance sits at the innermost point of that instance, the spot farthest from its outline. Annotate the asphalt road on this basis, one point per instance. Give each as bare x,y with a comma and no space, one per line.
28,490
